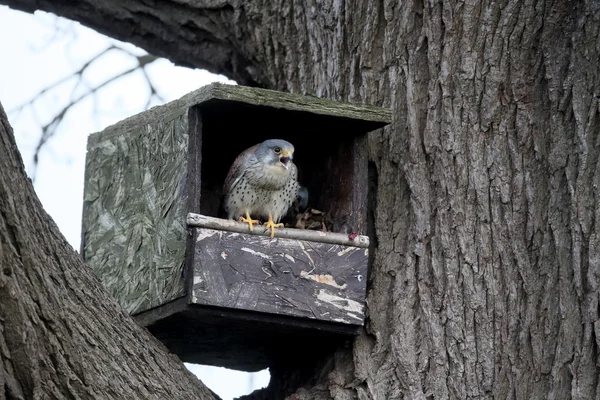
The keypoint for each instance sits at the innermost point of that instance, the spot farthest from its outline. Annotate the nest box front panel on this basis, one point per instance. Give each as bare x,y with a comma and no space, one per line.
134,230
299,278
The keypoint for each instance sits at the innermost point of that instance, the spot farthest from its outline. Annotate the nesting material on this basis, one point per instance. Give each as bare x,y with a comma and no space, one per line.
314,220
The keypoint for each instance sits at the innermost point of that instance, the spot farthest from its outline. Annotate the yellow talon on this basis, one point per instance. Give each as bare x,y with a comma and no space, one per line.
272,225
249,220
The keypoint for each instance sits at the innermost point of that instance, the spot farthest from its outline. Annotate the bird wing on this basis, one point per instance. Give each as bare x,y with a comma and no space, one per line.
236,171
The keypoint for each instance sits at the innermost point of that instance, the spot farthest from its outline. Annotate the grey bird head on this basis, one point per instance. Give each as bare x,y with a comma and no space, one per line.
275,152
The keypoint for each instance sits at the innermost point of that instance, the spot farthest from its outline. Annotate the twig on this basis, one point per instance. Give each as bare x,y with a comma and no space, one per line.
49,129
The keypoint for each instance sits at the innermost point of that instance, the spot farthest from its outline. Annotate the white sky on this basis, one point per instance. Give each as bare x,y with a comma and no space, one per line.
39,50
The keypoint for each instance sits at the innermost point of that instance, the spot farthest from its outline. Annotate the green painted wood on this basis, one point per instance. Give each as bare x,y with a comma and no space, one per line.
134,214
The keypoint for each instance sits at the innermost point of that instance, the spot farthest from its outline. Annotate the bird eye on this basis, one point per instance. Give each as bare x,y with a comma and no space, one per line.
277,150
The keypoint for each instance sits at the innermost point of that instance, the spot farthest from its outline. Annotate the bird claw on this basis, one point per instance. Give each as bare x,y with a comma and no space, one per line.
249,221
272,225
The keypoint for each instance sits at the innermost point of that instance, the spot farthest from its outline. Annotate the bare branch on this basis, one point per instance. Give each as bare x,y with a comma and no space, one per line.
153,91
50,128
77,73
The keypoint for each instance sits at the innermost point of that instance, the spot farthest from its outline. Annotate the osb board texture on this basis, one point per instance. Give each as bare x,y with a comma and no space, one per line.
135,201
280,276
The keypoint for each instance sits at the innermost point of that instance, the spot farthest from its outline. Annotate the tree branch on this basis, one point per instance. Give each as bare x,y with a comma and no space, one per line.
61,334
201,40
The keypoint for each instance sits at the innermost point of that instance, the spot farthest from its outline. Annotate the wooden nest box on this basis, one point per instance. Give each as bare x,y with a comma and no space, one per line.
210,290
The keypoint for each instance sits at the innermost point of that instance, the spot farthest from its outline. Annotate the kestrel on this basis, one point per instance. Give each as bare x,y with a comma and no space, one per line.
262,182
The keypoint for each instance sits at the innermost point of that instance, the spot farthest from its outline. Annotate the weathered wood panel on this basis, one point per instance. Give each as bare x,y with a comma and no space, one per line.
295,102
244,340
134,209
298,278
344,189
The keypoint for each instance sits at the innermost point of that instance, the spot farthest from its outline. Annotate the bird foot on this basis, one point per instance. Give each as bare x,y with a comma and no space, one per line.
272,225
249,221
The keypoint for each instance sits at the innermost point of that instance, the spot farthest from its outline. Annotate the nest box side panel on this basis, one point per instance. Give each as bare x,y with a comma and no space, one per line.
135,203
298,278
345,183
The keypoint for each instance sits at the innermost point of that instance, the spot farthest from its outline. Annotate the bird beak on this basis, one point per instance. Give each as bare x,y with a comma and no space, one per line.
285,159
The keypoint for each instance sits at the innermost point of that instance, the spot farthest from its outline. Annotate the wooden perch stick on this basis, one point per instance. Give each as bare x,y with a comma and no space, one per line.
203,221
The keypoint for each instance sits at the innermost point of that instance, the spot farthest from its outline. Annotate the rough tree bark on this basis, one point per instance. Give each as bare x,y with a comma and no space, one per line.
486,210
61,335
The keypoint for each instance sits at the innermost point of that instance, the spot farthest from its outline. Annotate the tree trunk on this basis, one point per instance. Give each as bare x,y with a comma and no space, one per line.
61,335
484,282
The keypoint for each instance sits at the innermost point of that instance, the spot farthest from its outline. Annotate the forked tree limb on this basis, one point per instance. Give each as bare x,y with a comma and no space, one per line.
61,334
